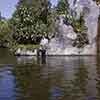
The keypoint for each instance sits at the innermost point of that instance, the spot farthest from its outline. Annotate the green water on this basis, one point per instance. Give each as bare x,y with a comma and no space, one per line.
53,78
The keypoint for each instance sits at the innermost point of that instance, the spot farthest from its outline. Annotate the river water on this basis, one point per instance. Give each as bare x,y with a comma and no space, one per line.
53,78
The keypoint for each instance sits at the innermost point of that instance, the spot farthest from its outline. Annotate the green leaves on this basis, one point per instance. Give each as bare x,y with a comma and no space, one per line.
62,6
29,19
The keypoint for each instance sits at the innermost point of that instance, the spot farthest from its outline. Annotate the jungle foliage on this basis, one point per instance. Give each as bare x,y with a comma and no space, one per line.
34,19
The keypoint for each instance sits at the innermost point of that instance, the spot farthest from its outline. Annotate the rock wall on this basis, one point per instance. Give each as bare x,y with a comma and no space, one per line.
62,43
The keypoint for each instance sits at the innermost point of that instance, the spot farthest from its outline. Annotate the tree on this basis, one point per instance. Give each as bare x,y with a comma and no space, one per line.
52,13
62,6
98,31
5,32
29,21
0,15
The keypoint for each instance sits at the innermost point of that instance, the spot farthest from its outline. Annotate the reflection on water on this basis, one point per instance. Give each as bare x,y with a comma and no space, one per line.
53,78
7,84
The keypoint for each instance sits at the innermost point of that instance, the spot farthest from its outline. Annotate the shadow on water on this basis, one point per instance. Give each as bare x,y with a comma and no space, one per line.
52,78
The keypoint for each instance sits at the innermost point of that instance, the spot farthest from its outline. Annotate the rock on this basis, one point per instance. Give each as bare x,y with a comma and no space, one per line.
91,14
89,50
72,36
18,51
24,52
91,19
62,43
29,52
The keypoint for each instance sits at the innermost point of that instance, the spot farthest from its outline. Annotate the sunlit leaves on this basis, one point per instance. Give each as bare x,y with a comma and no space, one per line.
29,20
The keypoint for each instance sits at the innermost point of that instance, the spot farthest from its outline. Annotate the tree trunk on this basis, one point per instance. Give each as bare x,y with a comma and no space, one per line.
98,36
98,31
